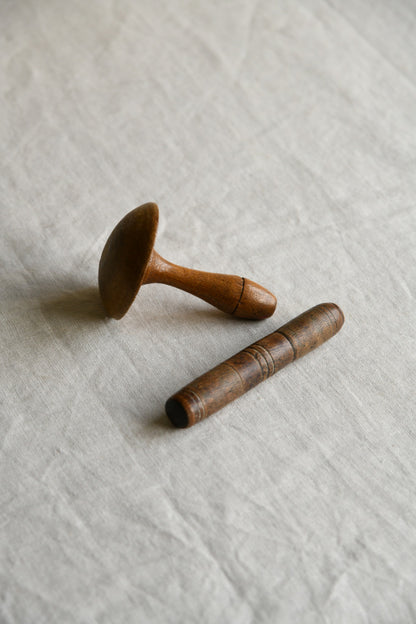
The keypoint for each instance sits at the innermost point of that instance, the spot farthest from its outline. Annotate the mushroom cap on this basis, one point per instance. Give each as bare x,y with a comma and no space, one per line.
125,257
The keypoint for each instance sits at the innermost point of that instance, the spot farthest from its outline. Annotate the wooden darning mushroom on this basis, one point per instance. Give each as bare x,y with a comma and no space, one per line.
128,260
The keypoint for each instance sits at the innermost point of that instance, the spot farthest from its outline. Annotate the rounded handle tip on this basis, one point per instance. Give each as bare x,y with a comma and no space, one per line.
256,302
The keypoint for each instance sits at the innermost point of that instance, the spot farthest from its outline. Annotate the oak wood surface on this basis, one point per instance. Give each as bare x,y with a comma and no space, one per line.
128,261
230,379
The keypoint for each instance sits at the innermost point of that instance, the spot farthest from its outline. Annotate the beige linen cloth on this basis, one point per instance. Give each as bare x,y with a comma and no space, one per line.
279,140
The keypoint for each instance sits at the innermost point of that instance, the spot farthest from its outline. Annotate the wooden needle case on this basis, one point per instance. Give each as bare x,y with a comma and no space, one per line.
229,380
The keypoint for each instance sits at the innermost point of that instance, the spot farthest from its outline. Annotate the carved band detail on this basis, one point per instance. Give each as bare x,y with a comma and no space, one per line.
264,359
198,407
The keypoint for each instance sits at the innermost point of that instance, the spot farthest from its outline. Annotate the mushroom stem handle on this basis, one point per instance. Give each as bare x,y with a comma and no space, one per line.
229,380
229,293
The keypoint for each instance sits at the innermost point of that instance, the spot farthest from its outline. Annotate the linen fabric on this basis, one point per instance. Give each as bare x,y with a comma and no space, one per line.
279,141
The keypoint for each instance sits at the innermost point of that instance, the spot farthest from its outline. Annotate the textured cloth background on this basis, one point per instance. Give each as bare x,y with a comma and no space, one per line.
279,140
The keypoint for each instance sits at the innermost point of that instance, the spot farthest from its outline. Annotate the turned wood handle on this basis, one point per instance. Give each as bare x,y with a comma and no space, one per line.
232,294
229,380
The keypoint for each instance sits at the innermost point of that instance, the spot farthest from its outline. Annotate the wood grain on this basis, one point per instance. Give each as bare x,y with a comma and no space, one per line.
254,364
232,294
129,260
